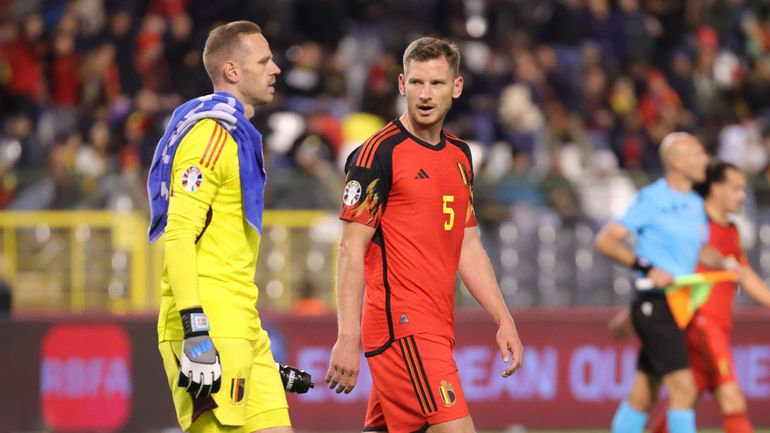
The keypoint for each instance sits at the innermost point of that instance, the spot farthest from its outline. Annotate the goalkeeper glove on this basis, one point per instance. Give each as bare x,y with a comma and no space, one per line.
294,379
200,372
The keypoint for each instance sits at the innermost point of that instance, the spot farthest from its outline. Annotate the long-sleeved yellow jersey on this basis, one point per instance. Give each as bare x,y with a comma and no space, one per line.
210,249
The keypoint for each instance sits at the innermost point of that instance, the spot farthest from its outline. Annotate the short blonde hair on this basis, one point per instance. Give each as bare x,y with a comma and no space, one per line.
428,48
223,41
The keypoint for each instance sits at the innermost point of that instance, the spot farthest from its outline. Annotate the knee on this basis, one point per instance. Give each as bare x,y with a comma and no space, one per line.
732,402
683,394
642,402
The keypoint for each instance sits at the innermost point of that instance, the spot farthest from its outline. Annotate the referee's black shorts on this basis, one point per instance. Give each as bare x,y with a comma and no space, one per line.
663,343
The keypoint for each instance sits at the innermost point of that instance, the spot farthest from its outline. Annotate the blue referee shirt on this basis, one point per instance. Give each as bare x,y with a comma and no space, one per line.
670,227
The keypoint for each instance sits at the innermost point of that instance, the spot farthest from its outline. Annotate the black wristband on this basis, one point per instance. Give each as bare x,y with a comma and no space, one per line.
642,265
194,322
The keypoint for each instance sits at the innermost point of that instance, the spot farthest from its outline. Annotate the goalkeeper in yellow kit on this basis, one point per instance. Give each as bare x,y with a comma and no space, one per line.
206,188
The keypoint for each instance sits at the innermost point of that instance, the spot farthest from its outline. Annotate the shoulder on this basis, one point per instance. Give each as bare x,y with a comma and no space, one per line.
378,147
205,142
457,142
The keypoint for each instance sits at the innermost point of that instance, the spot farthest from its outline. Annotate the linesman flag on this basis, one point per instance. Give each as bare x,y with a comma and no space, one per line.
689,292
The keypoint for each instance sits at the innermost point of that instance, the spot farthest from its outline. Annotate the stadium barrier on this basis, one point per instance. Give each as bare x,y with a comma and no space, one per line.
103,373
84,261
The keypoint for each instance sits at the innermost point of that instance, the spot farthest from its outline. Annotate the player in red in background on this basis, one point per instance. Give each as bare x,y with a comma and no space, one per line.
708,336
409,230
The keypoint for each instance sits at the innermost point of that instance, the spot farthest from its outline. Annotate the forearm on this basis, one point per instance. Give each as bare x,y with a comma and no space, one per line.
476,272
712,258
757,290
350,284
186,219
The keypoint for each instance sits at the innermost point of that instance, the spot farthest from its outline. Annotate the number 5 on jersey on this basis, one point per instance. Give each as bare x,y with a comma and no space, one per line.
449,211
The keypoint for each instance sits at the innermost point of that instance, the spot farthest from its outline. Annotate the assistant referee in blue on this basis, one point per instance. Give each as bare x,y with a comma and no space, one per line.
669,223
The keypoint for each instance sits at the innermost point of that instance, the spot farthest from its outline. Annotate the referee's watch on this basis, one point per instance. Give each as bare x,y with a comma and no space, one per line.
642,265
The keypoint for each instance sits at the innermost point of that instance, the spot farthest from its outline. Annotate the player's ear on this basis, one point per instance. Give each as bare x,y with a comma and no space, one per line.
230,71
458,87
402,84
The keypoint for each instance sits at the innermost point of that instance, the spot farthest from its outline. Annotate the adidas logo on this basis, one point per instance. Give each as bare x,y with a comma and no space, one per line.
421,174
403,319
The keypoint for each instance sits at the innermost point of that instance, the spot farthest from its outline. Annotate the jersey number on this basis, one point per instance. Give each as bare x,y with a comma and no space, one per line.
449,211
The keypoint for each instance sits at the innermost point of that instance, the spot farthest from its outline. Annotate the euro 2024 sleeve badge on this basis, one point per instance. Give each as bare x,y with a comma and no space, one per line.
192,179
352,193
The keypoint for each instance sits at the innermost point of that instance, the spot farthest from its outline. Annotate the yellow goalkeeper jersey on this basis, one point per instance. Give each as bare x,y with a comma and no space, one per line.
210,249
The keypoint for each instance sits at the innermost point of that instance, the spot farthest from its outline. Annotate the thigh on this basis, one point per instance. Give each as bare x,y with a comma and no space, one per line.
266,404
709,348
417,383
663,347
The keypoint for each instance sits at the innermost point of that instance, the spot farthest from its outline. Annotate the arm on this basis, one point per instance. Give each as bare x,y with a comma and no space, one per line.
477,274
712,258
610,242
344,361
753,285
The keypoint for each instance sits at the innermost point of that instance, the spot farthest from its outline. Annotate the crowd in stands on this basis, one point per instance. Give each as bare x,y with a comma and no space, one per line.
565,101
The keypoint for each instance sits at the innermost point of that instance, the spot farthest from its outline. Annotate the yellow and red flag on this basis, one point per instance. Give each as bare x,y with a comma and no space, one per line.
689,292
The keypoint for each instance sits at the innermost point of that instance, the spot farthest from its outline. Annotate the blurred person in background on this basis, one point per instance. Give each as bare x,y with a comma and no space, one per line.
408,190
206,187
670,225
708,336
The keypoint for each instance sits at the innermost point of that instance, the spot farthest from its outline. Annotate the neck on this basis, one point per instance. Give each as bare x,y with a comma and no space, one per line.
715,212
678,182
429,134
248,109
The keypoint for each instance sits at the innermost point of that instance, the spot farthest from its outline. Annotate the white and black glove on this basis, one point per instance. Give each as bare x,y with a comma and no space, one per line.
200,372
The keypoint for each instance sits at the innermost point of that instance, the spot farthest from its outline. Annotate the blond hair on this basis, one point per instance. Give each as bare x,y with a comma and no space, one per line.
223,42
428,48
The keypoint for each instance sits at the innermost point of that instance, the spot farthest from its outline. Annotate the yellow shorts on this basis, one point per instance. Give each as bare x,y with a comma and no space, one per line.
251,397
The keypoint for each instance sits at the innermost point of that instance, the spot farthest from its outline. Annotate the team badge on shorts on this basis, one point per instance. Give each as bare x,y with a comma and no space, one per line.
352,193
192,179
237,389
447,393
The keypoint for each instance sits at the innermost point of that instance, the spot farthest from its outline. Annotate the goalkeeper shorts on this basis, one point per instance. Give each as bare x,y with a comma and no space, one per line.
251,397
415,385
663,344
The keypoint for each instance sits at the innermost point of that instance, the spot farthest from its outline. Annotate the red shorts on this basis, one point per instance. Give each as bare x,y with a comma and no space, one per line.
415,386
708,346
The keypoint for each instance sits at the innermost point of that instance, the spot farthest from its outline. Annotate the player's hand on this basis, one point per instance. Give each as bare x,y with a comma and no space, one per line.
344,365
660,278
200,372
510,346
620,325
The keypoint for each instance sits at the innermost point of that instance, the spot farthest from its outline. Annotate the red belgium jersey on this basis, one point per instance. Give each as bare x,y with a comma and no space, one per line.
719,306
418,198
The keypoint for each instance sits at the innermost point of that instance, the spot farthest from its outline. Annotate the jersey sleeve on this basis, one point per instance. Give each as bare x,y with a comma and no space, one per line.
638,214
366,188
197,173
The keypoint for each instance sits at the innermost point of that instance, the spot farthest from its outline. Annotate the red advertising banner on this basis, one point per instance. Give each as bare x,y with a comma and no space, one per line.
105,373
85,377
573,375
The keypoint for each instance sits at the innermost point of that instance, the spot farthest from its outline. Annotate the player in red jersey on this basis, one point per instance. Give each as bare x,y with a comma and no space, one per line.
708,335
409,228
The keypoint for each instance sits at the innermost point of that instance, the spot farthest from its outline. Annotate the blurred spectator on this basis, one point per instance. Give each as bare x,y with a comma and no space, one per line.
308,303
542,79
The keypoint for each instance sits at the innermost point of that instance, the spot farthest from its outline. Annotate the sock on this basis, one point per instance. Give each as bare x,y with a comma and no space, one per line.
681,421
736,423
628,420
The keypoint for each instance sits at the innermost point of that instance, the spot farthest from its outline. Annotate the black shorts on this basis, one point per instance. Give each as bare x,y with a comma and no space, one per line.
663,343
